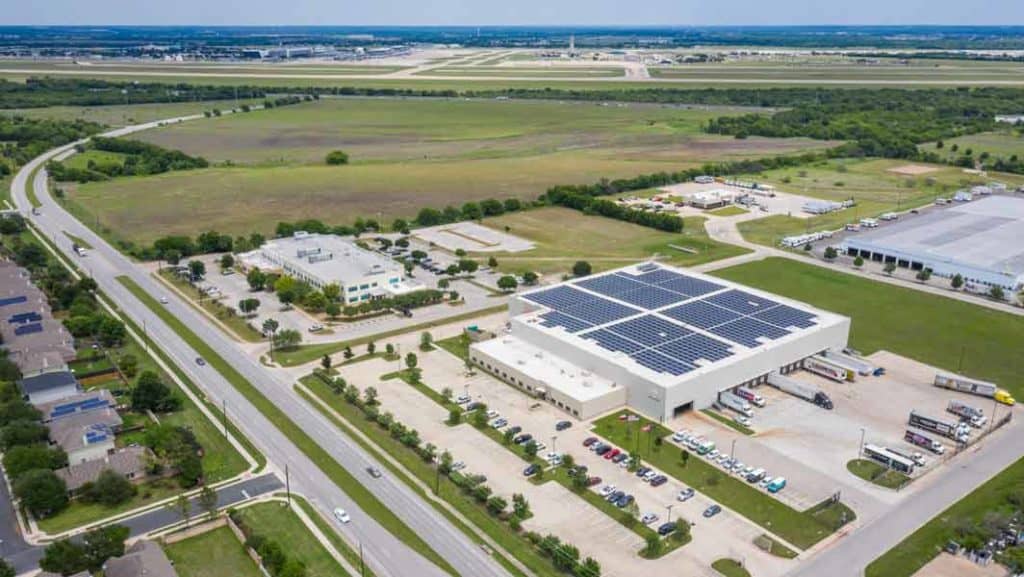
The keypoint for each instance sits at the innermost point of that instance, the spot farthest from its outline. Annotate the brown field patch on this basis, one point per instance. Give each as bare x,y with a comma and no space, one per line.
913,169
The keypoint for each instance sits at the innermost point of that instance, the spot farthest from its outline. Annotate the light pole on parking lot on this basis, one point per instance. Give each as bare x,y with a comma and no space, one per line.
860,450
668,519
554,439
732,451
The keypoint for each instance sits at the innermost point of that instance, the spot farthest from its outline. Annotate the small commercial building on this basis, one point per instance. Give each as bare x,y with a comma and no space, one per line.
656,338
708,199
979,240
325,259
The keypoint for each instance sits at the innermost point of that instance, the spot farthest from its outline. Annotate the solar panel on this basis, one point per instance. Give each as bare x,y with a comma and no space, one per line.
649,297
700,314
559,297
608,340
695,347
29,329
557,319
650,330
660,363
653,277
748,330
599,311
690,286
741,302
787,316
13,300
609,285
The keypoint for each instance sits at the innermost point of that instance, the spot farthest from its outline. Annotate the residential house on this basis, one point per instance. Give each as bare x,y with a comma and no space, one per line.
130,462
143,559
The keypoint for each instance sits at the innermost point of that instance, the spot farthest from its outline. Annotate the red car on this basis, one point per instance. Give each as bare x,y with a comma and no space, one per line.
590,441
592,481
611,453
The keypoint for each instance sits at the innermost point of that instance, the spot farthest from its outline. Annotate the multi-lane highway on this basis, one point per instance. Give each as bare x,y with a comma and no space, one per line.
386,555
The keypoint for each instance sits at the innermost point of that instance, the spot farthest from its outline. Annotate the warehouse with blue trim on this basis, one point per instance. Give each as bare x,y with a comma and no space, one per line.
656,338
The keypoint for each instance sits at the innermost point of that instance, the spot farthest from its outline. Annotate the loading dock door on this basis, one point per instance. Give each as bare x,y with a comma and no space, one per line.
684,408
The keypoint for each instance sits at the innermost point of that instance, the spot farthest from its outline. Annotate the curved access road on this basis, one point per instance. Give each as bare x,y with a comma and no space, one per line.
384,553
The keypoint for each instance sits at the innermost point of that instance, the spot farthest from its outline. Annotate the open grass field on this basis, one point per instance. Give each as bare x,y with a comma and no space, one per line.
914,552
275,521
525,71
801,528
1005,143
406,154
123,115
928,328
930,71
100,157
563,236
873,472
870,182
213,554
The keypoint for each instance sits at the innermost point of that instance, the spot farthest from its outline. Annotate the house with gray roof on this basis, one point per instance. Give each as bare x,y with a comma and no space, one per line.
130,463
143,559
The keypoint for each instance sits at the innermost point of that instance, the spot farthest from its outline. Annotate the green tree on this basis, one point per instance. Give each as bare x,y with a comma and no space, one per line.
227,261
6,570
325,362
333,310
468,265
183,507
248,306
426,341
858,262
208,502
520,506
24,458
109,489
830,253
530,278
111,332
287,338
371,348
196,270
530,449
128,364
957,281
42,492
270,327
496,505
507,436
332,292
581,268
151,394
996,293
411,361
103,543
22,432
684,456
64,558
654,545
507,283
890,267
336,158
924,274
256,279
370,396
454,417
389,349
492,262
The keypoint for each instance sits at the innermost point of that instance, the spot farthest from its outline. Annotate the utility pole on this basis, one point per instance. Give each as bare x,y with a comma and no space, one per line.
732,451
860,449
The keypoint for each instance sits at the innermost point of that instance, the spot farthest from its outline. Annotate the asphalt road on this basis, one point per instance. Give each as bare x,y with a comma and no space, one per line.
25,557
384,553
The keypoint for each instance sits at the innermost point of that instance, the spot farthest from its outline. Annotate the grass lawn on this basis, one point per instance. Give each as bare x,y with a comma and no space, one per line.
239,326
914,552
563,236
731,210
79,513
100,157
730,568
303,354
998,143
275,521
338,474
406,154
217,553
876,473
340,545
728,421
871,182
954,335
457,345
123,115
773,547
801,528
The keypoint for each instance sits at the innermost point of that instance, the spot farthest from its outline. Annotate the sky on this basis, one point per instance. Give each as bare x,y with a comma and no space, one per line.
512,12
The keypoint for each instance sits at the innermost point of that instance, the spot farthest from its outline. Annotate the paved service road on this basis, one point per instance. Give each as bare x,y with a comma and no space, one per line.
384,553
25,557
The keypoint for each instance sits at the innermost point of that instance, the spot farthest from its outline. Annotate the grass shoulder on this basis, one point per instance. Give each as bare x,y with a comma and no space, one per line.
215,553
238,326
274,520
877,474
731,423
730,568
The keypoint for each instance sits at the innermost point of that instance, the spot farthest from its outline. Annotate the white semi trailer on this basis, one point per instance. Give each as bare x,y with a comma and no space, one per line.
806,392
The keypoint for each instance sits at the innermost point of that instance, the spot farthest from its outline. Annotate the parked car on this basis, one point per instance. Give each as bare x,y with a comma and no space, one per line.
341,515
589,441
515,429
620,458
491,414
641,471
686,494
614,496
593,481
522,439
531,470
604,450
200,361
712,511
648,518
666,528
473,406
611,454
163,300
499,422
624,501
597,446
458,465
563,425
461,399
606,490
659,481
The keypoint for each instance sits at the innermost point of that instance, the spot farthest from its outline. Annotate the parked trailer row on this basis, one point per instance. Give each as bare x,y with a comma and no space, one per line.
974,387
958,431
749,395
819,365
860,366
922,441
796,388
967,413
735,403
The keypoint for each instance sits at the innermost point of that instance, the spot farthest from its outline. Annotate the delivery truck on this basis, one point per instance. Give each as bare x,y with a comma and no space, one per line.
735,403
968,414
819,365
796,388
974,387
924,442
956,431
749,395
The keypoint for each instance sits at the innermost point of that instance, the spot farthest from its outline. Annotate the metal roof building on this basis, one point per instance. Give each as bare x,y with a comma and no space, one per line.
658,338
980,240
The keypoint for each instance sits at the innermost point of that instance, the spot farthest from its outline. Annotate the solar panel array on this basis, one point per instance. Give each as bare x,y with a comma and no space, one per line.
651,339
29,329
13,300
22,318
78,407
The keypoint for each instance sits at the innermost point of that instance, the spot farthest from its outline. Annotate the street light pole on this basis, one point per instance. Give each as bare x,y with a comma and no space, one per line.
554,439
669,507
860,450
732,451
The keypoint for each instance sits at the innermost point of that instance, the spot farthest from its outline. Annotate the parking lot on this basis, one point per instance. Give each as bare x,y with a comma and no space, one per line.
785,203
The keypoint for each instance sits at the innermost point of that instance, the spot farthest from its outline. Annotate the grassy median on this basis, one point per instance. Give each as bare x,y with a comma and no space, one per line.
338,474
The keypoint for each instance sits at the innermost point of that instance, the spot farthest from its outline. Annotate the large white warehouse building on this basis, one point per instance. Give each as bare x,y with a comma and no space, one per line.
653,337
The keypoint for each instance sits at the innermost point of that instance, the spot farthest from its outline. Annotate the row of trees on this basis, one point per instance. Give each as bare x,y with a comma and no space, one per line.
139,159
22,139
468,211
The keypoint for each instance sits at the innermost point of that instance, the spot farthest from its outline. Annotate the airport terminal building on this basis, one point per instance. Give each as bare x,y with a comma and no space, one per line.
656,338
979,240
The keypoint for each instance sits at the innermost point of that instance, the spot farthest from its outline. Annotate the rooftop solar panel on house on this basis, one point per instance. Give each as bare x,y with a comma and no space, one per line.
13,300
608,340
746,331
695,347
95,436
649,297
22,318
29,329
787,316
658,362
700,314
649,330
557,319
741,302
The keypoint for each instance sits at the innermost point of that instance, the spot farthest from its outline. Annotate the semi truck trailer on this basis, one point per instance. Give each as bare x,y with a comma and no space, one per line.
735,403
957,432
806,392
748,395
860,366
974,387
967,413
819,365
924,442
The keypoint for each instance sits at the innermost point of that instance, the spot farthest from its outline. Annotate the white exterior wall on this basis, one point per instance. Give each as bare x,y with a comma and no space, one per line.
90,452
51,395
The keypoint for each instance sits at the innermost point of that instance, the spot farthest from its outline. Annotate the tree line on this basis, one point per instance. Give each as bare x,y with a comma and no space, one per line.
22,139
37,92
138,159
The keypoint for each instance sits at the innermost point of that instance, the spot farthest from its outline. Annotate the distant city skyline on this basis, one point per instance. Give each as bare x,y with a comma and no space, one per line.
521,12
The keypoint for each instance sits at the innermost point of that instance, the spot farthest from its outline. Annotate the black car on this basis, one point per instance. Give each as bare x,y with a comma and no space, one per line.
200,361
515,429
666,528
523,439
659,480
641,471
614,497
563,425
604,449
712,511
623,501
531,470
